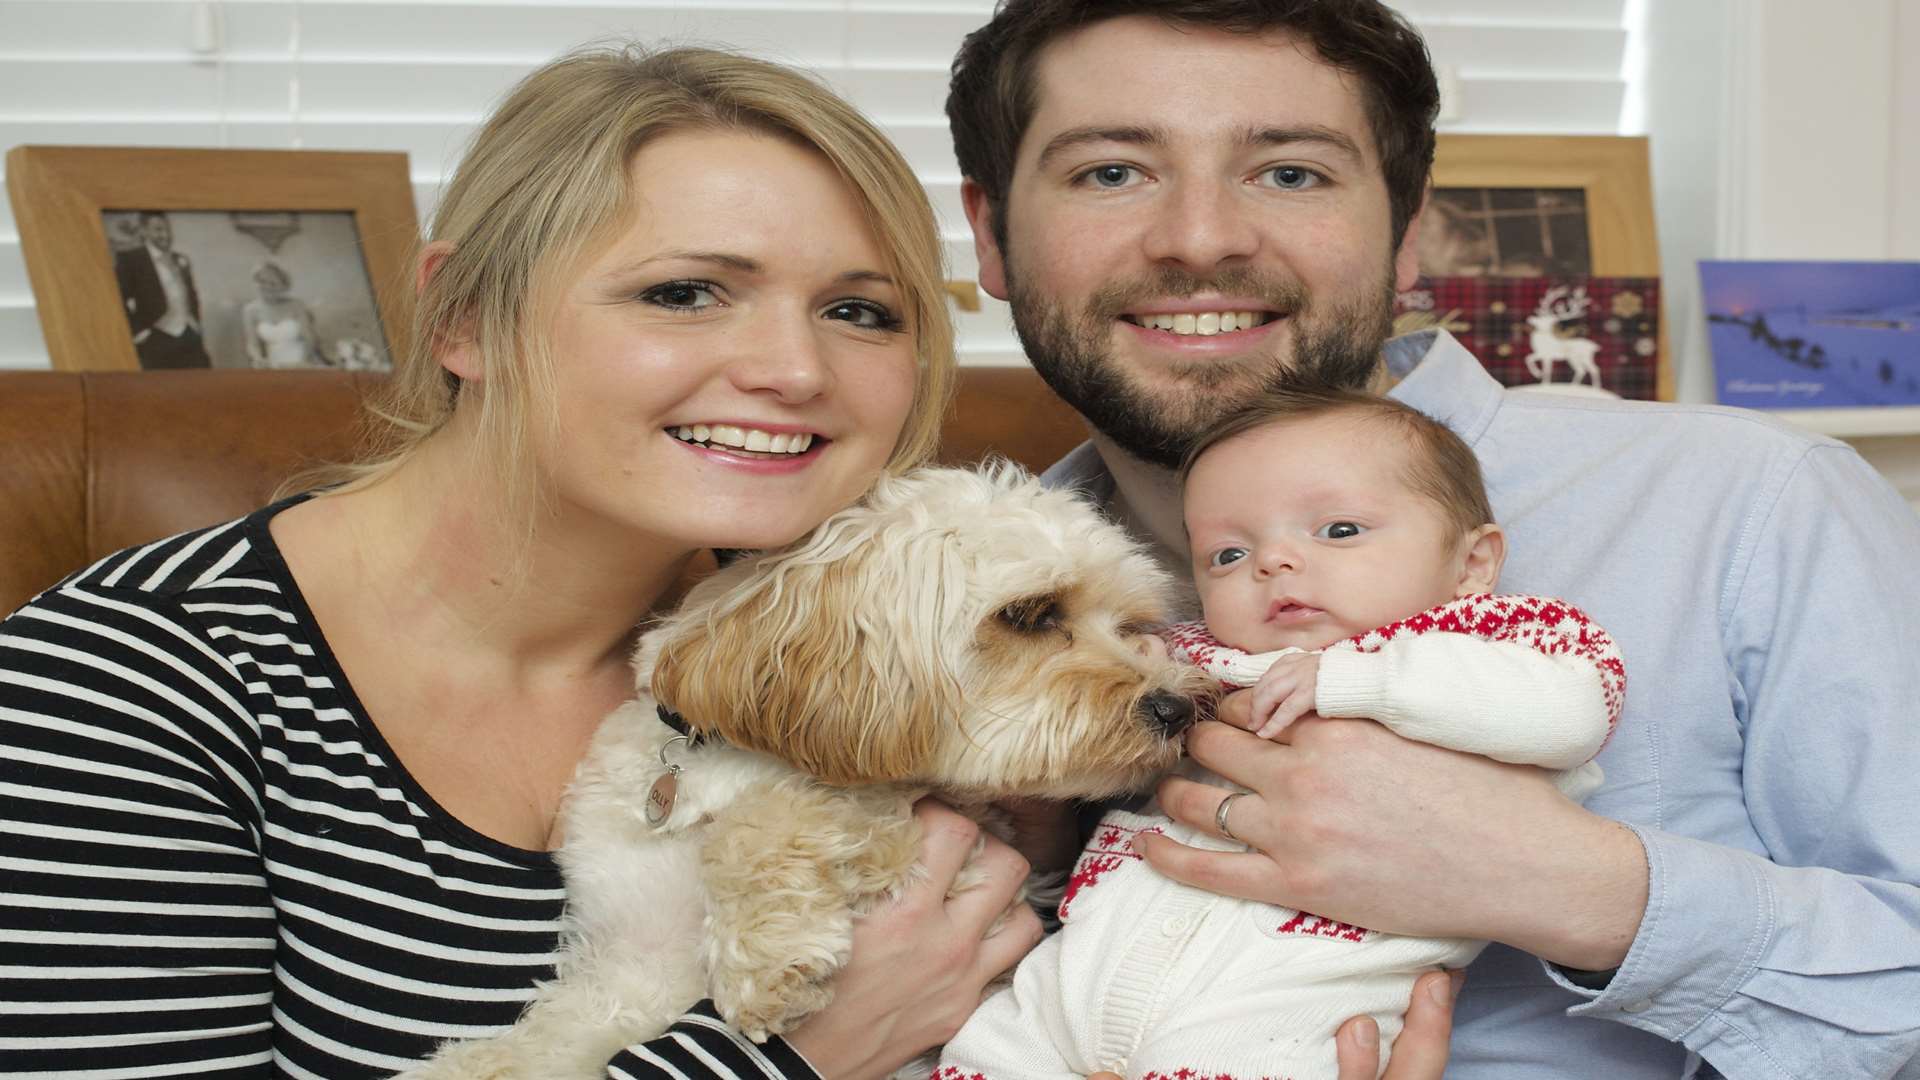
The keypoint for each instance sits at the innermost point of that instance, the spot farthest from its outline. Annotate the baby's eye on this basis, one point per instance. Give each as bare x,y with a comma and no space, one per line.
1226,557
1339,530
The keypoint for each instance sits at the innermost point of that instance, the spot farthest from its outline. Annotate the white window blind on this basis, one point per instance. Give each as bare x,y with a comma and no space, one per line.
417,75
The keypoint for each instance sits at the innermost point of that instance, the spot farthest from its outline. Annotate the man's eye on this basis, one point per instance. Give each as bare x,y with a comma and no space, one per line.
1339,530
1226,557
1293,177
1110,176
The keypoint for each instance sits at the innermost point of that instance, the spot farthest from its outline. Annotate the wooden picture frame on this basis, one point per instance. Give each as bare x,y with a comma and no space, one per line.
60,194
1613,173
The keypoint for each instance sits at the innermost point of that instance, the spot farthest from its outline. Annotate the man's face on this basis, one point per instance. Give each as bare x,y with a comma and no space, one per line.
1194,216
158,231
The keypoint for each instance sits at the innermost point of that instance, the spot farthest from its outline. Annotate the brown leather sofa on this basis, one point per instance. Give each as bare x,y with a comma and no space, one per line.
91,462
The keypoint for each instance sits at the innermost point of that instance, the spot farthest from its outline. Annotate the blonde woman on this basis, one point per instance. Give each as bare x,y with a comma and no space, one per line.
283,791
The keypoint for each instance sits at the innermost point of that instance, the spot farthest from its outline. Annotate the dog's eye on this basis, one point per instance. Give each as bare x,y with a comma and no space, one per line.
1033,614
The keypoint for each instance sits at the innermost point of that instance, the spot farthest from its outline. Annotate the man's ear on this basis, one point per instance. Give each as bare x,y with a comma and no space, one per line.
1482,553
986,250
1406,260
456,354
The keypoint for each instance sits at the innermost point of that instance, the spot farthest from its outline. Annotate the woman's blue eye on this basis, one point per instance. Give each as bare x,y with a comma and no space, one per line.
682,295
865,314
1226,557
1339,530
1293,177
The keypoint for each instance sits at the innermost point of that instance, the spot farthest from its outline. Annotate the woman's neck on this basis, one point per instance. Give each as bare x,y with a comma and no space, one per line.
432,541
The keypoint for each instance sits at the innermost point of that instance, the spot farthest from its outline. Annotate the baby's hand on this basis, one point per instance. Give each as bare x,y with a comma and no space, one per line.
1284,694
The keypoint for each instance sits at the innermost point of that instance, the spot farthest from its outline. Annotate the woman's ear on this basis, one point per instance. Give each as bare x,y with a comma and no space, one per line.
1482,553
456,353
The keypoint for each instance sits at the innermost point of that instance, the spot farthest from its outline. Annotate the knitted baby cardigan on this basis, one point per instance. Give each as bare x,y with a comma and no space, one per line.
1157,980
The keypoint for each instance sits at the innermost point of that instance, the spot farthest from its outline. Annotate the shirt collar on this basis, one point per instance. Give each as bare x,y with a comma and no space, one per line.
1441,378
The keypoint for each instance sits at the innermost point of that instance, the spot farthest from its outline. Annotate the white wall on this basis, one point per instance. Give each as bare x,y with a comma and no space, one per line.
1789,130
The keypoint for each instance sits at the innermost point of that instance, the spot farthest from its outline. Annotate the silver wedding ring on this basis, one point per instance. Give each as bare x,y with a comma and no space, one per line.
1220,816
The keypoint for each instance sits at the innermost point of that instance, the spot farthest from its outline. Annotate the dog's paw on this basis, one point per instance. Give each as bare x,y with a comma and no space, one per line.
773,1003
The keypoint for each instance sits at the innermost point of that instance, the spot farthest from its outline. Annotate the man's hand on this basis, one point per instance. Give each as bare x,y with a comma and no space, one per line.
1284,693
1354,823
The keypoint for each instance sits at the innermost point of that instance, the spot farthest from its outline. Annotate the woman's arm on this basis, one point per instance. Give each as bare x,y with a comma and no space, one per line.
250,332
134,914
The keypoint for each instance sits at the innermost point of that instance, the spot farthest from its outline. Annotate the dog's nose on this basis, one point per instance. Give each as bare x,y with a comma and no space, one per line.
1173,713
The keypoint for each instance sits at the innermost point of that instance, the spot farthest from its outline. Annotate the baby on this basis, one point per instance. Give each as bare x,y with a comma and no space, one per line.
1345,555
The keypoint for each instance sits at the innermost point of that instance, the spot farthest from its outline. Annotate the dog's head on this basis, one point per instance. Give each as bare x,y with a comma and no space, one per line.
966,630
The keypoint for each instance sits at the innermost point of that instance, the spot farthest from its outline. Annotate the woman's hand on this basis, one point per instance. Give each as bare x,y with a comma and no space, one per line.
921,963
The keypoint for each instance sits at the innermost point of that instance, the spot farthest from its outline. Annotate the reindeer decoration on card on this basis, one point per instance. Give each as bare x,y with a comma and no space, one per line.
1556,307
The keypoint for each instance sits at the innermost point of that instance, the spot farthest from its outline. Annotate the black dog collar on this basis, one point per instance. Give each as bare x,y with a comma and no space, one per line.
679,724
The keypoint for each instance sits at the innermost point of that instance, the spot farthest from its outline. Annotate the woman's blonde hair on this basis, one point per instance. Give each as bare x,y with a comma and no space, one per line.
545,183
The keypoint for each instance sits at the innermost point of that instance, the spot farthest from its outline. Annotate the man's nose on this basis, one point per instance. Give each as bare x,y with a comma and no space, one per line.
1201,226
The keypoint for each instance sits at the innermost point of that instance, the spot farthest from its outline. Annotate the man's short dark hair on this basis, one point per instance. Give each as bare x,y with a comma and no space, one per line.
1441,467
991,98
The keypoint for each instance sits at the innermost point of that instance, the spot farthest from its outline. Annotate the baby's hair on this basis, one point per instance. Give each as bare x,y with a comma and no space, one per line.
1440,465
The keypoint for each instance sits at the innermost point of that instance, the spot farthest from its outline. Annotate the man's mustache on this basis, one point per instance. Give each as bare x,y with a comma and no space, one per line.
1116,298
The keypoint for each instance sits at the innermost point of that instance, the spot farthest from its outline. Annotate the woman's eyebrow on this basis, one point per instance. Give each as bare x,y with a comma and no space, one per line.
732,261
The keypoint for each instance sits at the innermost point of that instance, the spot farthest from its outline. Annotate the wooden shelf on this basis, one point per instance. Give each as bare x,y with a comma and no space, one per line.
1855,423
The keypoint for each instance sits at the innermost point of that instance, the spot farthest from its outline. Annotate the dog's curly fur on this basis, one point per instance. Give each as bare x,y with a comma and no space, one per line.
965,632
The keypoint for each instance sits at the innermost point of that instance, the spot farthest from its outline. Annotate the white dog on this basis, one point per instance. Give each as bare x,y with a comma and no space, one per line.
963,632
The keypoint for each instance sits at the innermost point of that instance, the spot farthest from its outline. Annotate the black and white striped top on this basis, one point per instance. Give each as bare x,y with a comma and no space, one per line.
211,864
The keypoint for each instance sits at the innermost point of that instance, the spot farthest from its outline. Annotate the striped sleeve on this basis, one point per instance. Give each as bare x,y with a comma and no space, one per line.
136,927
702,1046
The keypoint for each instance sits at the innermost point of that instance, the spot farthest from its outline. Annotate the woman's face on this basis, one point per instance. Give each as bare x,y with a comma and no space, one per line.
271,286
734,367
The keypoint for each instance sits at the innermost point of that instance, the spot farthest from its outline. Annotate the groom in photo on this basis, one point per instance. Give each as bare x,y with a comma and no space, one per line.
163,306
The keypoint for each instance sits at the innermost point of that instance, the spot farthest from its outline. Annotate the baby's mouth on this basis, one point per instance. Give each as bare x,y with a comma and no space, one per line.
1200,323
746,441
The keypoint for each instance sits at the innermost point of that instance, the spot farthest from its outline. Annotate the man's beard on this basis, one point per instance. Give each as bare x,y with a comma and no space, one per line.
1339,346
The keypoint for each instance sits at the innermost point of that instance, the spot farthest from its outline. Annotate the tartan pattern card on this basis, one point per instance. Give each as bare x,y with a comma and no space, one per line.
1594,331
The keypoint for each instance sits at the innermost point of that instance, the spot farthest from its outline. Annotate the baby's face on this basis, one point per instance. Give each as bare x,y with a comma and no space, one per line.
1305,533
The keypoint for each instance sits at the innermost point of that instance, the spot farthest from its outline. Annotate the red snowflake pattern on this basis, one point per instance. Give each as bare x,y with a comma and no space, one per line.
1107,850
1551,627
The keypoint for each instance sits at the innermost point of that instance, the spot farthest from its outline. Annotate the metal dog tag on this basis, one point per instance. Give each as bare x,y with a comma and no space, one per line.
660,796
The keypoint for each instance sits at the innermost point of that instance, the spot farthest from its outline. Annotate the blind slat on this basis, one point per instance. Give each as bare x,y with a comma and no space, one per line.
417,75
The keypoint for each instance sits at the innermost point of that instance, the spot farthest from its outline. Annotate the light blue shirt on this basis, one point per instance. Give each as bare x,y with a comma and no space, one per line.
1764,587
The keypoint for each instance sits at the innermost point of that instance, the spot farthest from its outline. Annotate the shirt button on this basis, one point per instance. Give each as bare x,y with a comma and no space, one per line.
1175,926
1636,1006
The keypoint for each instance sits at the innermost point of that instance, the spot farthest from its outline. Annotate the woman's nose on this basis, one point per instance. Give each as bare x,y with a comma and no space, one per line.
786,360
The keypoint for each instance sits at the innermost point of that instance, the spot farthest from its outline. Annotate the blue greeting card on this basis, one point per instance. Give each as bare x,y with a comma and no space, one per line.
1802,335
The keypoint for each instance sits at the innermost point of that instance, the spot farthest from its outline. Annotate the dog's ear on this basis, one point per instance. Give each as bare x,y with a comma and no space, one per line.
802,660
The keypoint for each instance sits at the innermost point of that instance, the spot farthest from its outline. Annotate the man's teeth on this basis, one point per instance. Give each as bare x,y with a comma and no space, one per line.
1205,324
744,438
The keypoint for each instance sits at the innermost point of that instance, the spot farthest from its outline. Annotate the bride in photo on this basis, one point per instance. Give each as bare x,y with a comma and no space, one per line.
279,327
